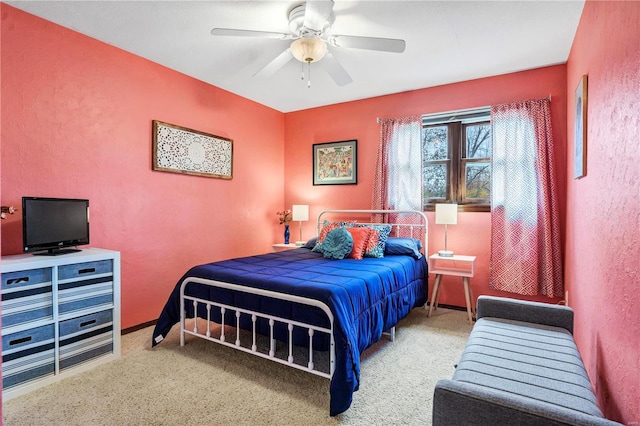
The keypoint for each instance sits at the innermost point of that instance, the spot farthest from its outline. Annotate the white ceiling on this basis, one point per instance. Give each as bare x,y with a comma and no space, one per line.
446,42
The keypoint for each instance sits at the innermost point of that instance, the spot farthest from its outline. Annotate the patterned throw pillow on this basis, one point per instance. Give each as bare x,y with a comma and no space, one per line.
330,226
360,237
337,244
372,243
377,239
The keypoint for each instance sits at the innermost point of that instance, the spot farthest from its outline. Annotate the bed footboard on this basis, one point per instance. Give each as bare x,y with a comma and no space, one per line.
235,341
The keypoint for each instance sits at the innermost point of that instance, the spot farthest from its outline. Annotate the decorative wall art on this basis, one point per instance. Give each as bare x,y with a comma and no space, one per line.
335,163
580,139
180,150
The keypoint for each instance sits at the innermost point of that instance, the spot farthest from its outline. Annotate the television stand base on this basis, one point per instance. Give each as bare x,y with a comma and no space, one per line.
57,252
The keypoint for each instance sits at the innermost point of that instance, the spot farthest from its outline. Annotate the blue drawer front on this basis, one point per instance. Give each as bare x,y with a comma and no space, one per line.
86,355
27,315
27,355
33,373
85,338
87,269
84,324
26,296
16,342
85,285
16,280
76,295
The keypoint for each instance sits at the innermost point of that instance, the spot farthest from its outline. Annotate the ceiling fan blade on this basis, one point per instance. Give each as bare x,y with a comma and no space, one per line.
249,33
335,70
316,14
369,43
280,61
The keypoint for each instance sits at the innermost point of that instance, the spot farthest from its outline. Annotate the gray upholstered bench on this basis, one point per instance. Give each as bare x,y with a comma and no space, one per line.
521,366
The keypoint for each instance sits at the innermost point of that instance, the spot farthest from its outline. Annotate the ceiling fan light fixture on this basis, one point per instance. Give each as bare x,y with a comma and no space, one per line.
308,49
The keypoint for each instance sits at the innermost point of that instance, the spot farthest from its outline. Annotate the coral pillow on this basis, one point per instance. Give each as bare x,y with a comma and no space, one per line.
371,248
360,239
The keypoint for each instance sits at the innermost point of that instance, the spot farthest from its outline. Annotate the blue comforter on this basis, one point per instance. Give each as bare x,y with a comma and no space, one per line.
365,296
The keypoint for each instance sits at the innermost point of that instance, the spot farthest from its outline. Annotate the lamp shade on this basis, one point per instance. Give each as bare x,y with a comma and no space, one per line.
308,49
446,214
300,212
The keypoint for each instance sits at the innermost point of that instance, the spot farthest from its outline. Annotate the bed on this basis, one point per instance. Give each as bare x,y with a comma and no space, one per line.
297,307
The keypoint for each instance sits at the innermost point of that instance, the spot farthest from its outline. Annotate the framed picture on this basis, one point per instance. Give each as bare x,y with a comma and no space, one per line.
180,150
335,163
580,139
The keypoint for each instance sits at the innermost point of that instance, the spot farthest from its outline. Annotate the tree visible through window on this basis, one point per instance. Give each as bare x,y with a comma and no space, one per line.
457,163
477,163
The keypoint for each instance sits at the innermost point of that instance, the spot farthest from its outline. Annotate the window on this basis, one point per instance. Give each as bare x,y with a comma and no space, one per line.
457,159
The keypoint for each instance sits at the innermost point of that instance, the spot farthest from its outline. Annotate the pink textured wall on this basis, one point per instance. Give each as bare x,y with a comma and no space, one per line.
76,122
603,213
357,120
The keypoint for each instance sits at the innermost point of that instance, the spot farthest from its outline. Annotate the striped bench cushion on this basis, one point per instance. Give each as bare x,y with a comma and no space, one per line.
533,361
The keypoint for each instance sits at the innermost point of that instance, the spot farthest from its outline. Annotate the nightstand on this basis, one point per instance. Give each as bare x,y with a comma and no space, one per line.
456,265
283,247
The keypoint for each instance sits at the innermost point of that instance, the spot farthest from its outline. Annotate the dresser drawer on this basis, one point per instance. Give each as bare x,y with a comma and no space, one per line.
27,355
84,270
85,338
85,285
26,296
13,281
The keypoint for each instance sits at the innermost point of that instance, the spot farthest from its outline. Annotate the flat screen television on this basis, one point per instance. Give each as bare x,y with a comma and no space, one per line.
50,226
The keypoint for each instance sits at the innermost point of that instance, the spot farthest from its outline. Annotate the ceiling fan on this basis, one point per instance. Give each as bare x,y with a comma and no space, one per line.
310,25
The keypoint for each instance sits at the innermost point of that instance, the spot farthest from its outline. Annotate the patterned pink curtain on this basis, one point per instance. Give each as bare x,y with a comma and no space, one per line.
526,253
398,175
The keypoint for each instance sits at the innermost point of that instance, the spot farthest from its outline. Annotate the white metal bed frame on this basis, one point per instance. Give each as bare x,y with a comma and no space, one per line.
270,354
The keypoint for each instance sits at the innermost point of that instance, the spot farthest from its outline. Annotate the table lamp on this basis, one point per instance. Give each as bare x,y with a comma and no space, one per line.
446,214
300,212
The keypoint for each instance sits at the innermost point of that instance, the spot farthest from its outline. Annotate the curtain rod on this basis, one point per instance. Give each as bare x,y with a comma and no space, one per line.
454,112
379,120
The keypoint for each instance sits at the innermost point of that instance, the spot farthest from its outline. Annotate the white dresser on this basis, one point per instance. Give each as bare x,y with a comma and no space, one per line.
60,316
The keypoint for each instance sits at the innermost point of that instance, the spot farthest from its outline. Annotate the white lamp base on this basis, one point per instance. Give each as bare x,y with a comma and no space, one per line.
445,253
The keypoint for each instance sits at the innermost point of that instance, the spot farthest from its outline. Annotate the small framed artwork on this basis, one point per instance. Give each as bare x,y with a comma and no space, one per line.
335,163
180,150
580,139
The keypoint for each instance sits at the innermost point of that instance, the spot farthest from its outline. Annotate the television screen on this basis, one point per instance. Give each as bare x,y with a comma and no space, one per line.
53,224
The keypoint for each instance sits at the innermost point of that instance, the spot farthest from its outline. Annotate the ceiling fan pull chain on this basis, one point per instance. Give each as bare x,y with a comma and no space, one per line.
302,69
309,80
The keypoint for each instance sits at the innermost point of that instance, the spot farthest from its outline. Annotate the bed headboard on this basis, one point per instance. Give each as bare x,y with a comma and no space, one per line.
404,223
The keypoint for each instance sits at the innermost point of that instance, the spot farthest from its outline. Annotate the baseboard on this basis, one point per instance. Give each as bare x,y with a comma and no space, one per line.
455,308
138,327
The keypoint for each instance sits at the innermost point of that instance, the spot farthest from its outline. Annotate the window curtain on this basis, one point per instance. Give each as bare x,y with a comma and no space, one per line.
397,181
526,254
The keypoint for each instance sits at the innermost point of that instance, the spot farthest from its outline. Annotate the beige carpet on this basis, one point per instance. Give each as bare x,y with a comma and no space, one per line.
208,384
